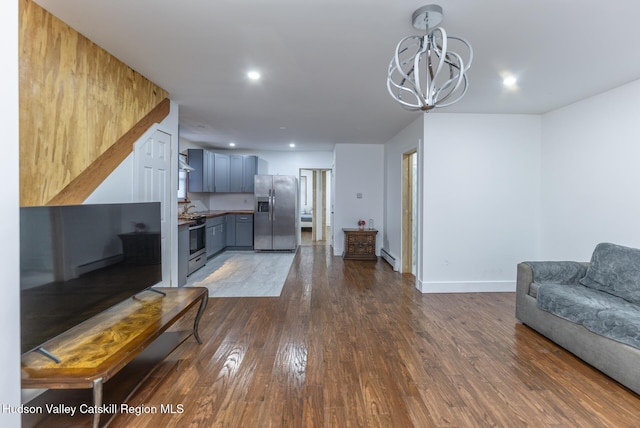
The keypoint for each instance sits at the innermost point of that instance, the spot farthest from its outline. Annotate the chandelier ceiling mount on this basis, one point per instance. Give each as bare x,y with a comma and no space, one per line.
427,17
424,73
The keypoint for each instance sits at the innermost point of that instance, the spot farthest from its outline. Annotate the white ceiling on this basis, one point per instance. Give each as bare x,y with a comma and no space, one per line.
324,62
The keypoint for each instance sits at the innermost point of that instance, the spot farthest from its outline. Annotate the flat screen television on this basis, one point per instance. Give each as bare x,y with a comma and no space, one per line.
78,260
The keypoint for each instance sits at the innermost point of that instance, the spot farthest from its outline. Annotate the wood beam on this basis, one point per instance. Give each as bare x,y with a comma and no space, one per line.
88,180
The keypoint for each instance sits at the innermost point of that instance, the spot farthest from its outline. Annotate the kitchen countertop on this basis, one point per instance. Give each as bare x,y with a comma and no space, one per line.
213,213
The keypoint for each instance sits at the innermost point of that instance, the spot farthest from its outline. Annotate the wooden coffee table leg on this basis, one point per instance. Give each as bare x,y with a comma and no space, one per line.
97,402
203,304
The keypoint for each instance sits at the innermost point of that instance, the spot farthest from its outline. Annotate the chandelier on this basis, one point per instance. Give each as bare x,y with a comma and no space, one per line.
424,74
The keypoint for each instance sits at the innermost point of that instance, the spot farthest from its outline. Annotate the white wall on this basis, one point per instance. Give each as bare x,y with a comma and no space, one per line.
289,163
117,187
357,170
591,175
9,226
405,141
480,200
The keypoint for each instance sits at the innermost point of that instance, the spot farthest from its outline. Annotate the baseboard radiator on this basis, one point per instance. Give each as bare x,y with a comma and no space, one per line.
388,257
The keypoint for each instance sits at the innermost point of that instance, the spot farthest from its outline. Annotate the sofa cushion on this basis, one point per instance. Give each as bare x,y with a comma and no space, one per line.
572,302
599,312
616,270
621,324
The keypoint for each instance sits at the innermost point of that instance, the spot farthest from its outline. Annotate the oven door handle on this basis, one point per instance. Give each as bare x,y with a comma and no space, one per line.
200,226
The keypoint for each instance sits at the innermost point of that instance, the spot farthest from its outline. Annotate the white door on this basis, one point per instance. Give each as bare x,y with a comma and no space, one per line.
152,175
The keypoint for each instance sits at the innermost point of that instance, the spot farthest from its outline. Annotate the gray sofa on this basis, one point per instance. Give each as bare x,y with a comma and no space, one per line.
590,309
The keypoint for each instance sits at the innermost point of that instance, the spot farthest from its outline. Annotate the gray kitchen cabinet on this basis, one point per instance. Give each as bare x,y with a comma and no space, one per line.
219,238
250,169
241,171
231,230
202,177
211,170
236,173
209,240
221,173
183,254
244,230
240,231
216,239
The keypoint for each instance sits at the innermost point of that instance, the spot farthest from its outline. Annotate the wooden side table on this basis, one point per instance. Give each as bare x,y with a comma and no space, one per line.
360,244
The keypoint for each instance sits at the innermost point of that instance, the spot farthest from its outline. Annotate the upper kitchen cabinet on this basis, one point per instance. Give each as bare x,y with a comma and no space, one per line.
250,170
201,178
236,168
221,173
242,170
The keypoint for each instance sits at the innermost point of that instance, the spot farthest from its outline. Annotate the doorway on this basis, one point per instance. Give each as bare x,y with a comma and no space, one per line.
409,212
315,206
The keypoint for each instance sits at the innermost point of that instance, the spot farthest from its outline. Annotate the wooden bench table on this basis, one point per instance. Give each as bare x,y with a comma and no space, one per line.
94,351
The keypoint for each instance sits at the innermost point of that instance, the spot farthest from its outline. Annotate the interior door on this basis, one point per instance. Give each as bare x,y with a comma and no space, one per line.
152,159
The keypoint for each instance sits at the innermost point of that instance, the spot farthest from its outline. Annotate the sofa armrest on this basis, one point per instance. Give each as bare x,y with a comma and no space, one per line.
557,272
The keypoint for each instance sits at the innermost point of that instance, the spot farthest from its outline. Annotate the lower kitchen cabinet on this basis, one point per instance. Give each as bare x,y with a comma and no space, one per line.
216,239
183,254
230,232
244,230
240,231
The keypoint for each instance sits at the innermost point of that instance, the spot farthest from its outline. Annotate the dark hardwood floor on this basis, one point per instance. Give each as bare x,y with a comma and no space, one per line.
306,237
353,344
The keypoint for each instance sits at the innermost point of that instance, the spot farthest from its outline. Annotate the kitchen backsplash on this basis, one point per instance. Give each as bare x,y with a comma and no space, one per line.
199,206
230,201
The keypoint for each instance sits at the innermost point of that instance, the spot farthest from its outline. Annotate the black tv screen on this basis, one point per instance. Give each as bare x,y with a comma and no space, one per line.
78,260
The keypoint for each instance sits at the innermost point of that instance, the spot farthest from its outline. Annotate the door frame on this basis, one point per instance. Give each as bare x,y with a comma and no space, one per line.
319,190
408,238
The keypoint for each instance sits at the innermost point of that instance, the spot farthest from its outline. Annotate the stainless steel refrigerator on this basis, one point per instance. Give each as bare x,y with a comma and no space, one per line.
276,216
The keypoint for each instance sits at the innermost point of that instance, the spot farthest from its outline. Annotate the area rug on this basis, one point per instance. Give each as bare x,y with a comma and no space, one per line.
243,274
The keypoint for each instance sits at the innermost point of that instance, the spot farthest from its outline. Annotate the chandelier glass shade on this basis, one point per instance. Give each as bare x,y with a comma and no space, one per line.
424,73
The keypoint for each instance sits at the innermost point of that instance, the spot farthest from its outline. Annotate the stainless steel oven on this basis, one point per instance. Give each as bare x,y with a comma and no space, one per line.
197,244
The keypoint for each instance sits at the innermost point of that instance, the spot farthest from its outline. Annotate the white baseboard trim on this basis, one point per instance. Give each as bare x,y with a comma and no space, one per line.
466,287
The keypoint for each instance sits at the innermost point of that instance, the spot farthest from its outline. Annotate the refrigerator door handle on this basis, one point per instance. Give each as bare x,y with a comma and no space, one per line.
273,206
270,206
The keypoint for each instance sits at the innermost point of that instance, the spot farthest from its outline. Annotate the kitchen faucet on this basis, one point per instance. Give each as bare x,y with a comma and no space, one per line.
186,208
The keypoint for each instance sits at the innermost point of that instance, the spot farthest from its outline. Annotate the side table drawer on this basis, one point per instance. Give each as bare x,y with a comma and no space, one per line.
361,245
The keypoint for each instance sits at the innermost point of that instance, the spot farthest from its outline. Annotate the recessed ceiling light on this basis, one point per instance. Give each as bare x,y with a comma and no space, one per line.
510,81
253,75
292,144
232,144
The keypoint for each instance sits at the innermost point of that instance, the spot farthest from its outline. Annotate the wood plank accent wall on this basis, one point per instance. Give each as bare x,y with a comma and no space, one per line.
76,102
